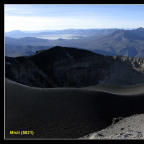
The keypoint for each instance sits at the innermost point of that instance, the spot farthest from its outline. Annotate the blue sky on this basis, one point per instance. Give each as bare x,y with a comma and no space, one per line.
53,17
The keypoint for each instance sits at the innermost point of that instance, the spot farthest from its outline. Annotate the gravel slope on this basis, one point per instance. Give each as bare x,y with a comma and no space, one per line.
122,128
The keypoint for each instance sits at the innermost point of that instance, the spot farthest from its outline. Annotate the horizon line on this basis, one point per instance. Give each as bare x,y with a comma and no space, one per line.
69,29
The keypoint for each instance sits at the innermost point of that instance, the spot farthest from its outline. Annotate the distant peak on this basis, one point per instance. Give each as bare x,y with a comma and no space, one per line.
120,32
140,28
16,31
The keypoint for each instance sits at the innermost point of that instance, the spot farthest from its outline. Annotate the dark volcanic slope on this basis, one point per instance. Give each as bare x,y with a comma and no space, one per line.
71,67
66,112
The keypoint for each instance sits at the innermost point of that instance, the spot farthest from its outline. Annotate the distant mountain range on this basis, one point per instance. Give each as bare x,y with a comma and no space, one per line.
122,42
115,42
72,67
79,33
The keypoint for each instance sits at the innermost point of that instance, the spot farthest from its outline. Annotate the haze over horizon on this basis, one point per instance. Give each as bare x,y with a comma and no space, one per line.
34,17
52,30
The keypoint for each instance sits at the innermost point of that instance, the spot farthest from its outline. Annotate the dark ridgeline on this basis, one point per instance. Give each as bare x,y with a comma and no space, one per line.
72,67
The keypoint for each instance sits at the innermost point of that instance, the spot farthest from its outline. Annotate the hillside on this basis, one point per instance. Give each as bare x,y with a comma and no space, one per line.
122,42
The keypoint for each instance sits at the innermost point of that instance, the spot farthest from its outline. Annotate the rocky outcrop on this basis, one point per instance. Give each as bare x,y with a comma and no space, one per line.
127,128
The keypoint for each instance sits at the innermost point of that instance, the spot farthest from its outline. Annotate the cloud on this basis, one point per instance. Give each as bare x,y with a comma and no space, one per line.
41,17
50,23
28,23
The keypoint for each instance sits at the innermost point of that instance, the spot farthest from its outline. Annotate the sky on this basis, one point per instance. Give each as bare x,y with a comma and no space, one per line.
30,17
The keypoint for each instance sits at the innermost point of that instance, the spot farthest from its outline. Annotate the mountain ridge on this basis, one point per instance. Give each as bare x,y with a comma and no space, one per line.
80,32
121,42
72,67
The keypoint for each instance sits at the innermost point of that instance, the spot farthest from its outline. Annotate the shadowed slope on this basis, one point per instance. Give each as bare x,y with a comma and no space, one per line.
66,112
71,67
